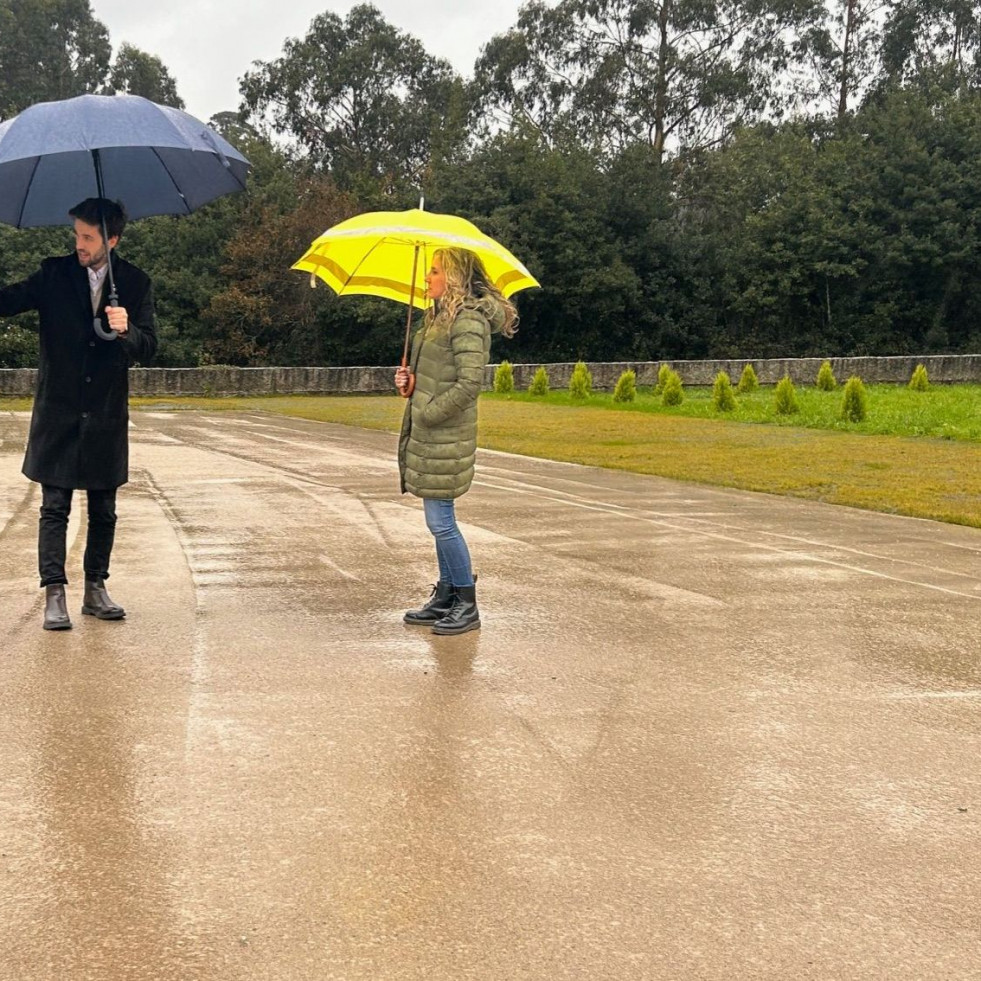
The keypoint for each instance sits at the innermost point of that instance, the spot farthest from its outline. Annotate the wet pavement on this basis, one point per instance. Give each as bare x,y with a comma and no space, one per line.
702,734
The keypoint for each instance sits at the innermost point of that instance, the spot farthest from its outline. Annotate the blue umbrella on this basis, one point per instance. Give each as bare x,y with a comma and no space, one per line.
155,159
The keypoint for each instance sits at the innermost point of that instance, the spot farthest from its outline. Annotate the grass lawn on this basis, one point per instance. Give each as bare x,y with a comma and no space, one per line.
917,453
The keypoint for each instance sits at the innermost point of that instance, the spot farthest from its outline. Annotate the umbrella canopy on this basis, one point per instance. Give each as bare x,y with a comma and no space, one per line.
388,253
155,159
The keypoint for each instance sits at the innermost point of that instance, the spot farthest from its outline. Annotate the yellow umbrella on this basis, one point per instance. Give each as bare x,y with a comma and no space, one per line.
388,253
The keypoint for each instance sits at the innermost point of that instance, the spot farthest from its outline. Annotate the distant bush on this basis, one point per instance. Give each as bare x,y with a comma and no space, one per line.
918,380
672,392
855,404
826,380
663,374
722,394
18,347
539,383
748,382
785,397
626,387
581,382
504,377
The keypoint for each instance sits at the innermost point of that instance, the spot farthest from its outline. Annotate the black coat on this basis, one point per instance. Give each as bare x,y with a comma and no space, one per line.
79,428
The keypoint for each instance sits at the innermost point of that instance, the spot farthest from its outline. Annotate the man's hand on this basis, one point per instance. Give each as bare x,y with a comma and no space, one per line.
118,319
402,378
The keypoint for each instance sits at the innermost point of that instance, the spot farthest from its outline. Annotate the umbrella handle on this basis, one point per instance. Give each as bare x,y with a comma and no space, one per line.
100,331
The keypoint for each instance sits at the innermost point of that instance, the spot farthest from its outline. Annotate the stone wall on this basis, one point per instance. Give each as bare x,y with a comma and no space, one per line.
222,380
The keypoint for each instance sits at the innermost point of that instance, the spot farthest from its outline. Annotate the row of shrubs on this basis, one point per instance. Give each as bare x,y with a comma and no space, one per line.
671,391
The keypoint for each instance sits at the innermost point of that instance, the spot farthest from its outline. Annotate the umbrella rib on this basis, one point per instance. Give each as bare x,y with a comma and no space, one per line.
177,188
364,259
20,217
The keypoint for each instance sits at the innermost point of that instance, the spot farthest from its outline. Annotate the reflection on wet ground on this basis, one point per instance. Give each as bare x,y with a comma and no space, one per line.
702,734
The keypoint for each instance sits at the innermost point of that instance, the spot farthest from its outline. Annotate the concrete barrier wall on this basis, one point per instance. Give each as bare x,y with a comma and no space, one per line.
223,380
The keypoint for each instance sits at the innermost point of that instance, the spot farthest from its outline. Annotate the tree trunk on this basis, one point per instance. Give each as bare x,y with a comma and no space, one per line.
846,57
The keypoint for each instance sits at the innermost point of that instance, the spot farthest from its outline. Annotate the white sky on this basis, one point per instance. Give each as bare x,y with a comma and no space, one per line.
207,46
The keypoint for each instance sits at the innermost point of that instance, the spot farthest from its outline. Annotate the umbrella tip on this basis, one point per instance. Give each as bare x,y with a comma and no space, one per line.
313,281
422,203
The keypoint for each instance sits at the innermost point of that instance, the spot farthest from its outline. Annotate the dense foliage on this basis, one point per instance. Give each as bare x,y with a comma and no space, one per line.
686,179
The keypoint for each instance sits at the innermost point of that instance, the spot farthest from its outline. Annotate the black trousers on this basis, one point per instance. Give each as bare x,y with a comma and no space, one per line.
56,506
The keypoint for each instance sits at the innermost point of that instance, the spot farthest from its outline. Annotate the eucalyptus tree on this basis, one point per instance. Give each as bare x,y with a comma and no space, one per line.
930,38
49,49
139,73
838,55
358,97
675,74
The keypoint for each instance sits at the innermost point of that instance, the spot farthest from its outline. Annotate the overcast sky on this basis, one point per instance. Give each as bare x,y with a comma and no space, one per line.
207,46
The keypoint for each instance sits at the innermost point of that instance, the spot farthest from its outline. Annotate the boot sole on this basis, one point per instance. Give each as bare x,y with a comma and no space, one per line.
57,626
451,632
90,611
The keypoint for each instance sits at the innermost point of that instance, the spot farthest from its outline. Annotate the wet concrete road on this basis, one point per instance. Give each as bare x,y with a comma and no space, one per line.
702,734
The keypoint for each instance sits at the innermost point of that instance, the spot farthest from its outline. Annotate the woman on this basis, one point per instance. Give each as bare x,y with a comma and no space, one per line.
438,442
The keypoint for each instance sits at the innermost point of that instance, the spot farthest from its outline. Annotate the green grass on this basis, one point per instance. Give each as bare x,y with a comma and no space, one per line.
943,411
917,453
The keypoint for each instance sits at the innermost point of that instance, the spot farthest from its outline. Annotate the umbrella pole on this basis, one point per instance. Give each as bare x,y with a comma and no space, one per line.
106,335
407,391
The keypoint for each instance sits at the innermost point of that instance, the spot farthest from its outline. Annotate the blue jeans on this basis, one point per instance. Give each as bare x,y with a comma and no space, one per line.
451,550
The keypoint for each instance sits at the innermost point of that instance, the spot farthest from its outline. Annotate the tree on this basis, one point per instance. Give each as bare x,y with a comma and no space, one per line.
261,312
138,73
839,54
671,73
49,49
360,98
927,37
548,207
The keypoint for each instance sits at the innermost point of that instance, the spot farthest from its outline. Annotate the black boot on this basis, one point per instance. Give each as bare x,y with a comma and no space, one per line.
440,602
55,608
463,616
96,601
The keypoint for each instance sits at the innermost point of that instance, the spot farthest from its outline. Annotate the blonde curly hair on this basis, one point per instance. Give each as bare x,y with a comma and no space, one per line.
467,280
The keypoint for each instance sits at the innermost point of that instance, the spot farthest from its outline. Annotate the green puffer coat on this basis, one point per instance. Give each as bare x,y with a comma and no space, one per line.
438,442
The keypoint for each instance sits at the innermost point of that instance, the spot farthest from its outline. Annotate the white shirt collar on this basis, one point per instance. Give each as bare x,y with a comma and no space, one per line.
96,276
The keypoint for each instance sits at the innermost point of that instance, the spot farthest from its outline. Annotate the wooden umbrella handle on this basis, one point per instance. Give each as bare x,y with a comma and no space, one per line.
410,384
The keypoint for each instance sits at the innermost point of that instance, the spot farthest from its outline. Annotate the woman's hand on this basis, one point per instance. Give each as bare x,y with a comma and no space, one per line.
403,381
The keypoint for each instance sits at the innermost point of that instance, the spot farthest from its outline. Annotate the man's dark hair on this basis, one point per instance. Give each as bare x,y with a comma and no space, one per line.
92,210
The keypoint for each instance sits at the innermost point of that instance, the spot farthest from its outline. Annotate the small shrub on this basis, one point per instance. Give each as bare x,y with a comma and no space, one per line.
504,377
826,380
722,394
918,380
855,404
581,382
786,397
663,374
672,393
748,382
626,387
539,383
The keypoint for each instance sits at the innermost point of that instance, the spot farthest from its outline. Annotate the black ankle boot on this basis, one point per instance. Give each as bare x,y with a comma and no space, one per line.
440,603
463,616
56,609
96,601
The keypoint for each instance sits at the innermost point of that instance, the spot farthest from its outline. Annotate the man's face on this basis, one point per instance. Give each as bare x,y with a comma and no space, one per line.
89,246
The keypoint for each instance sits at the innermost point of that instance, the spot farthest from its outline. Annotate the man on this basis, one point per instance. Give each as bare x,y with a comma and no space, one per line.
79,428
